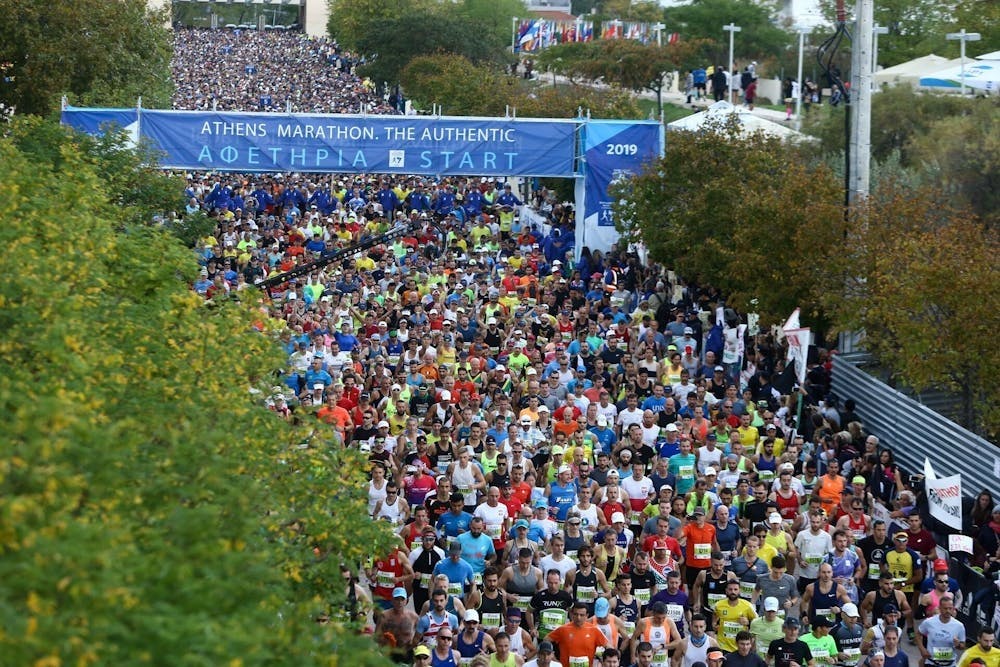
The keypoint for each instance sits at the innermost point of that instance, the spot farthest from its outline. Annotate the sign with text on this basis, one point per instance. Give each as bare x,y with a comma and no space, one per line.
254,142
944,495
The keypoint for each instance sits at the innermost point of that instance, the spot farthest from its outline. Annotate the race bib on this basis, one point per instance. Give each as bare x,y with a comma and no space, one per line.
493,531
821,654
586,594
464,662
660,658
477,578
874,570
747,589
523,602
425,580
455,589
852,652
552,619
579,661
943,654
765,475
685,472
573,556
634,517
630,627
385,579
703,550
675,612
814,559
731,628
715,598
491,621
825,612
643,595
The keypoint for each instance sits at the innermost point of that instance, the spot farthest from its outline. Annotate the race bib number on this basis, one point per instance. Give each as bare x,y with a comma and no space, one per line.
702,551
493,531
385,579
425,580
643,595
825,612
552,619
714,599
464,662
765,475
821,654
579,661
660,658
686,472
852,652
630,627
455,589
814,559
586,594
491,621
523,602
477,578
675,612
731,628
943,654
747,589
634,517
874,570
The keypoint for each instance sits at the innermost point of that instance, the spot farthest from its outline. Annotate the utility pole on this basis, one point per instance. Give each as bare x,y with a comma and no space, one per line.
732,29
861,100
798,98
963,37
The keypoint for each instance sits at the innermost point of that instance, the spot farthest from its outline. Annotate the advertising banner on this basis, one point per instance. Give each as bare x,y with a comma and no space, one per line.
944,495
254,142
614,150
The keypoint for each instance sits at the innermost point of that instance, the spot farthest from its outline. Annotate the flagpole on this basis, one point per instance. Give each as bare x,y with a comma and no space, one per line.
513,35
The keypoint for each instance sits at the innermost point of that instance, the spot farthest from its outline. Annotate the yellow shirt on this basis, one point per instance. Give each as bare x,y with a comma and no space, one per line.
749,437
991,657
730,621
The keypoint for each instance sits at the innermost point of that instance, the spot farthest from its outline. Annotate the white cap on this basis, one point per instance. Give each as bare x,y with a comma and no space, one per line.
471,615
770,604
617,517
774,517
710,470
445,395
492,320
602,420
850,609
382,424
396,387
671,427
564,468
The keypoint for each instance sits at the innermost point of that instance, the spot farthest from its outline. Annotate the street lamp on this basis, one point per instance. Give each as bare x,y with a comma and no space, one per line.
798,98
732,29
878,30
963,37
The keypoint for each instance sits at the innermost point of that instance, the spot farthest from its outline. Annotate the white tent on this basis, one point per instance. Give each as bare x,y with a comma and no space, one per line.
978,74
911,71
719,112
989,56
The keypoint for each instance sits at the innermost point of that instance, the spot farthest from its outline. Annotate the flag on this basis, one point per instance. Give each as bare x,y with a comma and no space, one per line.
798,344
528,36
944,495
674,38
587,31
928,469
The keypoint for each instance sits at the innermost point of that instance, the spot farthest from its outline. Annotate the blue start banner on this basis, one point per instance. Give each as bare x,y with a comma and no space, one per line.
255,142
614,151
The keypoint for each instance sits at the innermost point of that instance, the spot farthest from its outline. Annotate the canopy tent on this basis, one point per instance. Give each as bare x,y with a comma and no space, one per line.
718,113
978,74
989,56
911,71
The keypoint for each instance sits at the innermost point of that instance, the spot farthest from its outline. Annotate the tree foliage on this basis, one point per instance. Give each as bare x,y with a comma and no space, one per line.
453,33
152,510
463,89
937,139
352,20
96,52
920,278
746,214
760,38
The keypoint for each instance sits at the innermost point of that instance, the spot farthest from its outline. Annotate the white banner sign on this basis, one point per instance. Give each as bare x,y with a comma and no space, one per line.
945,497
960,543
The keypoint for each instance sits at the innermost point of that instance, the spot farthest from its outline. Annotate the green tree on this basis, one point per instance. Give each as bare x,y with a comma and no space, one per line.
452,33
760,38
93,51
746,214
153,511
454,82
352,20
920,278
493,17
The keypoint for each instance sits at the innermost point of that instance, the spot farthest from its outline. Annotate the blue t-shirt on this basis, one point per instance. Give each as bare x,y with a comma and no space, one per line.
451,524
475,550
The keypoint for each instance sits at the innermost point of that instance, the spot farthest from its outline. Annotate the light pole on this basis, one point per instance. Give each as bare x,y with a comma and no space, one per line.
732,29
658,29
963,37
879,30
798,98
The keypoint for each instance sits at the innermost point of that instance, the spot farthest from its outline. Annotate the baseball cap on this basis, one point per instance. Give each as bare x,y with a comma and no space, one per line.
822,622
791,623
698,511
720,369
858,479
850,609
545,647
421,650
514,612
382,424
940,565
890,608
901,536
602,421
471,615
671,427
659,544
617,517
455,548
558,449
399,592
774,517
601,607
715,654
710,470
771,604
520,523
564,468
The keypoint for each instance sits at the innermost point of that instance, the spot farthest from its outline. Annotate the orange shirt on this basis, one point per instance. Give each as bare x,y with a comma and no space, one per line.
566,428
577,642
831,492
697,538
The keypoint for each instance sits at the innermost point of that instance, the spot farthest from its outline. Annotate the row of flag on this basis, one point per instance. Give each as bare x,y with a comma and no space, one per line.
537,34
